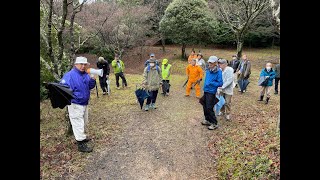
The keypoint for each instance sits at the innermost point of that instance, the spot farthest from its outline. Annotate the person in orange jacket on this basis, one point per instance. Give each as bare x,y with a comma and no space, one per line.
195,74
192,56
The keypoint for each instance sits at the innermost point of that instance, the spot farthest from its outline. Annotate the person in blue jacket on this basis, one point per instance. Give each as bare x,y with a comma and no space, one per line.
152,57
270,74
80,82
213,80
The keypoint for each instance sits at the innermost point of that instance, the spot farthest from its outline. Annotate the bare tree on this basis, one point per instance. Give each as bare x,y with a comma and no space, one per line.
55,58
239,16
116,27
276,12
76,8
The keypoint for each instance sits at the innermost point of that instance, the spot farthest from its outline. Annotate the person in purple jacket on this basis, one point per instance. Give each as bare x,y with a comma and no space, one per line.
80,82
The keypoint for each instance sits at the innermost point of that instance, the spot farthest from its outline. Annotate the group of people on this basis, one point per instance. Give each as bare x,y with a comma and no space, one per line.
219,80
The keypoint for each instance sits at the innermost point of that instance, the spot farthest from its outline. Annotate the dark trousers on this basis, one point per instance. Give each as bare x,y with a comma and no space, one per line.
168,83
276,82
122,77
103,83
208,108
153,97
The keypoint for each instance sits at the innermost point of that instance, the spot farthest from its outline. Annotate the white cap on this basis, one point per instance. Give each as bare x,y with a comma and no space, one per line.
212,59
81,60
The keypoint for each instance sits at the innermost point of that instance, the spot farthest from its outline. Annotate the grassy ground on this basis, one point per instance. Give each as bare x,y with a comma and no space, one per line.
248,147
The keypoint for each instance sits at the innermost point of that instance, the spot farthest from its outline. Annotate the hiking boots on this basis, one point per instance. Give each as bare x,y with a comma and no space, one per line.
153,106
261,98
213,126
267,100
206,123
83,147
147,107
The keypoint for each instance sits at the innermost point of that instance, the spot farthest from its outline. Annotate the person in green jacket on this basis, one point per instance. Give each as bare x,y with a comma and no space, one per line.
166,73
151,82
118,68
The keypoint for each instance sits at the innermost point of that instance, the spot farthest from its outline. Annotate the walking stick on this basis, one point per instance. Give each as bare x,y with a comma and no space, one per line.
97,90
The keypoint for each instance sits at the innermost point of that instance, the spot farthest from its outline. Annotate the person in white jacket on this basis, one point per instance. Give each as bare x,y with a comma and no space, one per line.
227,88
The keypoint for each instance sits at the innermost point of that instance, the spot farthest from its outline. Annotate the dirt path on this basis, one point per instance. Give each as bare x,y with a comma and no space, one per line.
166,143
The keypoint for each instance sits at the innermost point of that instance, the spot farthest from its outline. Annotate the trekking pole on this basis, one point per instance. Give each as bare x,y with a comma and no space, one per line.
97,90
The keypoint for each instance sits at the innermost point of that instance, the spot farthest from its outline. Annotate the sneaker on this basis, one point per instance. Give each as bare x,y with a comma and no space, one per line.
228,117
220,113
275,92
244,90
153,106
104,93
198,97
83,147
213,126
186,95
118,87
239,90
167,94
146,108
205,122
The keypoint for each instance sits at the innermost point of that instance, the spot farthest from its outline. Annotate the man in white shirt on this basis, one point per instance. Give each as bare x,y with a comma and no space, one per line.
227,88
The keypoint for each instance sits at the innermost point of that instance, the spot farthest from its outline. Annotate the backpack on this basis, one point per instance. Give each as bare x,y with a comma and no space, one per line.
157,67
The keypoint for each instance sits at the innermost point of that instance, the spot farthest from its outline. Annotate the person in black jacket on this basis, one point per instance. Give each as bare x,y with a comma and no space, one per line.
234,63
277,79
103,64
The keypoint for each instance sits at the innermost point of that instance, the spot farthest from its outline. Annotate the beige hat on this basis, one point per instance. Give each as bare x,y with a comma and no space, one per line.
81,60
100,58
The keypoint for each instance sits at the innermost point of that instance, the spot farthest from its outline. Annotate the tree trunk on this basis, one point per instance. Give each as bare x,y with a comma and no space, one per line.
163,44
141,49
69,131
73,50
239,46
60,35
50,49
72,54
183,51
